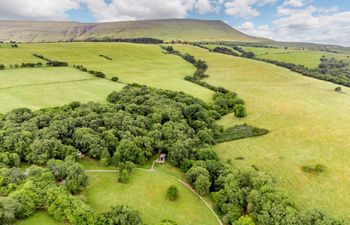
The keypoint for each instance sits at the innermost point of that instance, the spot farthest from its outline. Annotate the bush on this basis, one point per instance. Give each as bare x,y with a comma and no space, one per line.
123,215
318,168
56,63
114,79
172,193
168,222
239,111
2,66
124,177
337,89
106,57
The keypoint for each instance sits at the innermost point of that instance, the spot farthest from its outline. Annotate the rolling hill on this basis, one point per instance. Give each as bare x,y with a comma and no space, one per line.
171,29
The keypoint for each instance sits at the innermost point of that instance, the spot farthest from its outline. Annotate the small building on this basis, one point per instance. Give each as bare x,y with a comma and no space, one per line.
161,159
80,155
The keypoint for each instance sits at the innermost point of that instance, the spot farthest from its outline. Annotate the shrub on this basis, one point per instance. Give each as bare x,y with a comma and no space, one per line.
239,158
239,111
56,63
168,222
2,66
124,177
100,74
172,193
318,168
115,79
106,57
337,89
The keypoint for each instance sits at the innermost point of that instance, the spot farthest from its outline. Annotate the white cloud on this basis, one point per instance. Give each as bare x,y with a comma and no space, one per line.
203,6
308,24
246,8
260,31
295,3
138,9
114,10
36,9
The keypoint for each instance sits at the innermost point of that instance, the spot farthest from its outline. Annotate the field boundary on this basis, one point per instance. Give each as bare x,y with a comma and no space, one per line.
48,83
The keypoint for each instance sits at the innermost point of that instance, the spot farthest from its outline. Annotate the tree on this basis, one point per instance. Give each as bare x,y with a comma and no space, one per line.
124,177
76,178
195,171
232,215
128,150
168,222
244,220
249,55
239,111
172,193
318,217
8,209
202,185
123,215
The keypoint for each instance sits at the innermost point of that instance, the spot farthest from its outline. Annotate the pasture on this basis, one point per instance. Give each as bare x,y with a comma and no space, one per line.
132,63
48,87
308,123
308,58
146,192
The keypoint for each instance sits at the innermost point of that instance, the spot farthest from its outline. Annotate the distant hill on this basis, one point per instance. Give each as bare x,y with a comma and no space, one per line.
170,29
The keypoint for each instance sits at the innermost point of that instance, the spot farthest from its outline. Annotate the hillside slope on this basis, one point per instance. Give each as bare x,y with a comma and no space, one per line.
171,29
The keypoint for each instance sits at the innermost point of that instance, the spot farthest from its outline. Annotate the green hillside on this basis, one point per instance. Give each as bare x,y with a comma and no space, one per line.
171,29
308,123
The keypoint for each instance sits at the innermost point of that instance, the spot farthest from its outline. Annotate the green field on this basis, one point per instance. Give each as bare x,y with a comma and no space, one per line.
47,87
146,193
310,59
143,64
308,123
39,218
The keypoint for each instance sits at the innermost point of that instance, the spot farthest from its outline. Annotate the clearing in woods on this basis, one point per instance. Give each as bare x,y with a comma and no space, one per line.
150,200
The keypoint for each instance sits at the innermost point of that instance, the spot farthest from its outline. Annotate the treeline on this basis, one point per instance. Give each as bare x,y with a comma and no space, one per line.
334,67
93,72
34,65
50,62
106,57
225,101
331,74
244,53
225,50
141,40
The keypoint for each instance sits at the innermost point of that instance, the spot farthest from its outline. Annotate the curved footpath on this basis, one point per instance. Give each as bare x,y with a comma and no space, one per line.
152,170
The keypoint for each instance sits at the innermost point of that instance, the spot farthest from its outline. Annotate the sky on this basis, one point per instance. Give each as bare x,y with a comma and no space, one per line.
318,21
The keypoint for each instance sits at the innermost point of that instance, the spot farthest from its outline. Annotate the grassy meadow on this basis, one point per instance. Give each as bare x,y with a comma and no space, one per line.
146,192
39,218
308,123
310,59
140,63
48,87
